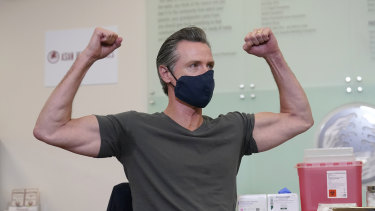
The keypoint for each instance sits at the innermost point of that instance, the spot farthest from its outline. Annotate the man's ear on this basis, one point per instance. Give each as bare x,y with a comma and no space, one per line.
164,74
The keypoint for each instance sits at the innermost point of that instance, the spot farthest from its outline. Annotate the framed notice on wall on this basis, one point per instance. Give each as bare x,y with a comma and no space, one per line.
62,48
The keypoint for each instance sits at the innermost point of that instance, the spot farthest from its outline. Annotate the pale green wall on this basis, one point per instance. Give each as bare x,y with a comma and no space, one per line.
339,47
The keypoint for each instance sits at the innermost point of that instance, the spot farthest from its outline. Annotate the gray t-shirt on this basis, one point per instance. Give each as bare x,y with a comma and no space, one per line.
172,168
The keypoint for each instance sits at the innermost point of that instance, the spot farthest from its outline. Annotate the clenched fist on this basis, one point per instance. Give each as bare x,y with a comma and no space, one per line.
102,43
261,42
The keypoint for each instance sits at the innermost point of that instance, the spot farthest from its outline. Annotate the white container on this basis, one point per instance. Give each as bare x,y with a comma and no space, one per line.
252,202
370,196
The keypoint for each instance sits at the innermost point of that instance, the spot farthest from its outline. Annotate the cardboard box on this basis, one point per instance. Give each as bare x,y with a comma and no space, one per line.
252,202
283,202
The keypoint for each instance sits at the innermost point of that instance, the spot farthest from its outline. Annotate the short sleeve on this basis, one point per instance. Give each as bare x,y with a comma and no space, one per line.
250,145
111,132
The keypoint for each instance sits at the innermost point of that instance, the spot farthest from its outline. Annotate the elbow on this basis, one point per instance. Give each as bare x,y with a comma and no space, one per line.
47,136
40,134
307,123
311,122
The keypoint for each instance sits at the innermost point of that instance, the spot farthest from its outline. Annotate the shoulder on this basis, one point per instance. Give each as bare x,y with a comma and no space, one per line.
125,117
231,119
235,115
133,114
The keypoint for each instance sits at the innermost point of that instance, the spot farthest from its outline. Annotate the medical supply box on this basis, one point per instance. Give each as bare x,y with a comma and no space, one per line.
338,181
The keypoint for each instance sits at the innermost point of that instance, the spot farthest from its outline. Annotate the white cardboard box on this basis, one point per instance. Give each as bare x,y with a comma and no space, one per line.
252,202
283,202
33,208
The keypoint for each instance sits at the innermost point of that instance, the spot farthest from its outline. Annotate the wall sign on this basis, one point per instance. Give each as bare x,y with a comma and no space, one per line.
62,48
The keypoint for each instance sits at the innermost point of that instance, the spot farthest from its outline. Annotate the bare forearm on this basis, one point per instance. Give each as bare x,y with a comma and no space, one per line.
58,108
293,99
273,129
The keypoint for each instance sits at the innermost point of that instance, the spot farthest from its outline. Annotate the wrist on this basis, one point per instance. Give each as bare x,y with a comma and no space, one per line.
86,58
273,55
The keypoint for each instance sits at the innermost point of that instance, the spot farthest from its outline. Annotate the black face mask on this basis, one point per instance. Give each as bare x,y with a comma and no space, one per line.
195,90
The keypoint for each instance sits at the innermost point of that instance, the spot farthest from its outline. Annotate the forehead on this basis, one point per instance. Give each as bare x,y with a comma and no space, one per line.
188,50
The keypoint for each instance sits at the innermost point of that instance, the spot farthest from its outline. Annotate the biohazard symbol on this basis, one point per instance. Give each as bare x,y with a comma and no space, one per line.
332,193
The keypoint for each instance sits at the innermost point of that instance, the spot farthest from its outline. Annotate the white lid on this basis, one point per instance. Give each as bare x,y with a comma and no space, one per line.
329,154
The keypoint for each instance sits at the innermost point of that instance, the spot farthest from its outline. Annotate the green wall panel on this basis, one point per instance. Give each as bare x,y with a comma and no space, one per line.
323,42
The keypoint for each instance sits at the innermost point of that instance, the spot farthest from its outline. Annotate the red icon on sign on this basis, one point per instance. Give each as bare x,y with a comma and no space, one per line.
332,193
53,57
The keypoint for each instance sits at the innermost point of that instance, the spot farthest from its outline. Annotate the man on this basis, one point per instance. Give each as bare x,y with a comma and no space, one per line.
178,159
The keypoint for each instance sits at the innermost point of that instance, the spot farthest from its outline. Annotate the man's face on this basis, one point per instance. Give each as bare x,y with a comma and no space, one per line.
195,58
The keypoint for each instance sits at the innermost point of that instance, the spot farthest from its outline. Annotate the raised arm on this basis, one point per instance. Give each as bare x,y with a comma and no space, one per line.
55,125
295,117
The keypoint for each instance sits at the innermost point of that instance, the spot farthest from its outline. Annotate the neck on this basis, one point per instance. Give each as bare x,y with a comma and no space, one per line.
185,115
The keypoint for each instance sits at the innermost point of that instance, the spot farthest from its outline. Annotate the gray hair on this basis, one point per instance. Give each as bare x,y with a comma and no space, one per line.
167,54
